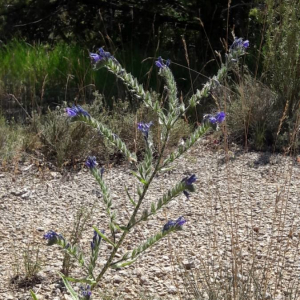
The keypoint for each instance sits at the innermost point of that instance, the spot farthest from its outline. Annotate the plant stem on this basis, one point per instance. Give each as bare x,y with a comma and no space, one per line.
112,255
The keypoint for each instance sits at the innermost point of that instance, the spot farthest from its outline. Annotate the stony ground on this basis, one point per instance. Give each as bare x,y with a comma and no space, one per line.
242,230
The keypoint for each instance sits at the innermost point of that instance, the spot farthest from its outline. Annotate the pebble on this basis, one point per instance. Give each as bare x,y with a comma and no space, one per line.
117,279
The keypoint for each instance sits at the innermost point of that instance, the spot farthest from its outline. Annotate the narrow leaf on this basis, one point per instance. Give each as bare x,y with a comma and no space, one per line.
68,286
105,238
128,195
33,295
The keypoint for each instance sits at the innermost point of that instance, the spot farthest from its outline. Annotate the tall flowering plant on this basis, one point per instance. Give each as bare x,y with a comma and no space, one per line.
146,169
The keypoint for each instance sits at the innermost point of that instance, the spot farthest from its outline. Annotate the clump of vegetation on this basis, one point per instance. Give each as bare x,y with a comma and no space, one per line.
11,139
254,114
27,267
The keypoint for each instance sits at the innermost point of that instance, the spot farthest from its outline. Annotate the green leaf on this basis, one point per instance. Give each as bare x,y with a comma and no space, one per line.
68,286
124,228
143,181
83,280
124,264
105,238
128,195
33,295
153,209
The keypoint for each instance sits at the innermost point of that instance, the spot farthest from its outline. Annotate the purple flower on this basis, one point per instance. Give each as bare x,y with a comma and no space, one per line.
96,240
220,117
189,185
71,113
160,64
76,110
91,162
52,237
144,128
238,43
217,118
177,225
246,44
86,292
102,56
95,57
191,180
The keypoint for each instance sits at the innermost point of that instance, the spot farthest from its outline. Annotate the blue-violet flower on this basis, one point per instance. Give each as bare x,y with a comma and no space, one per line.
174,224
102,56
76,110
52,237
160,64
217,118
189,184
238,43
91,162
96,240
144,128
86,292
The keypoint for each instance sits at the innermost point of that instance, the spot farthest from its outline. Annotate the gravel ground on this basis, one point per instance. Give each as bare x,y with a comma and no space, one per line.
246,209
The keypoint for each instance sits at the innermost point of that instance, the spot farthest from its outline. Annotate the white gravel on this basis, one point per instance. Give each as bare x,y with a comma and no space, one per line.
246,207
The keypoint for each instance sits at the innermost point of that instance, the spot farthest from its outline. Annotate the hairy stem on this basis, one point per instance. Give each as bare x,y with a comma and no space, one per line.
112,255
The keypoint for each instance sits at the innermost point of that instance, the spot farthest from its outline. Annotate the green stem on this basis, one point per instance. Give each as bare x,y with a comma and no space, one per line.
112,255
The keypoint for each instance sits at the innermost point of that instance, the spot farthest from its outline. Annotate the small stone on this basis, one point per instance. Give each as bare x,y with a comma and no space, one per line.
127,290
188,265
172,290
143,280
117,279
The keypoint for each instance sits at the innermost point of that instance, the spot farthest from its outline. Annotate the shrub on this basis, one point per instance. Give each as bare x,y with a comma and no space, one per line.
11,139
254,114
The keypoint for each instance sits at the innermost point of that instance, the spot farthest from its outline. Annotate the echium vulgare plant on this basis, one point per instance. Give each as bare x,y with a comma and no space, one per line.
146,170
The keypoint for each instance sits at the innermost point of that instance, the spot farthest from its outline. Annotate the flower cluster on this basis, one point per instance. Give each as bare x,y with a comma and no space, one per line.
91,162
174,224
144,128
189,184
238,43
103,55
217,118
160,64
96,240
76,110
85,292
53,237
237,49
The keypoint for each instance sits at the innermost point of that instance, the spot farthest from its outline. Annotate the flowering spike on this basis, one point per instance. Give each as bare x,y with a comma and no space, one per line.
217,118
96,240
52,237
160,64
189,184
144,128
85,292
91,162
76,110
102,56
237,49
177,225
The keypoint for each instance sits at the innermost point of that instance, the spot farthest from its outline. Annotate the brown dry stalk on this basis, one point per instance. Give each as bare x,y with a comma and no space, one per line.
283,117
